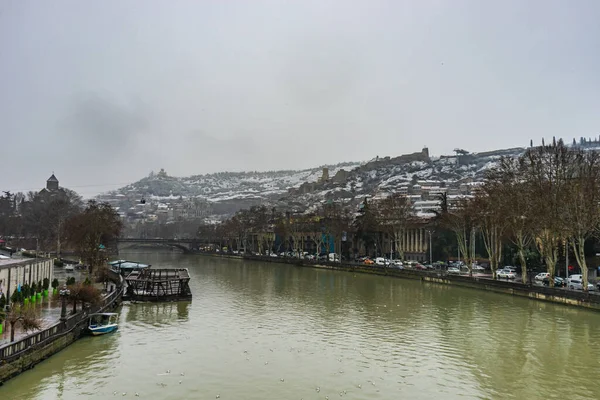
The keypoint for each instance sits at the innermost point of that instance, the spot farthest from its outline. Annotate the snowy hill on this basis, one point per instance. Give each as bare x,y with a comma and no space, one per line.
226,192
218,195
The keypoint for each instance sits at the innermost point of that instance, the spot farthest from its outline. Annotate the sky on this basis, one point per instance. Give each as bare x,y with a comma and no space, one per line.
103,92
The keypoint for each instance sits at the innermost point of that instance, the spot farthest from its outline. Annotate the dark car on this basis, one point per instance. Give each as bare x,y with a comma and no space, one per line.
558,282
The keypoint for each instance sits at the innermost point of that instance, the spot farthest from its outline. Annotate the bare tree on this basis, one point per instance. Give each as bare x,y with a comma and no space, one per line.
547,171
315,233
26,315
582,214
395,214
297,229
88,231
460,221
45,214
488,216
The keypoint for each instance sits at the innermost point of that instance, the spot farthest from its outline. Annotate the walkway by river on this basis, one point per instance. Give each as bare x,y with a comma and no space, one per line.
269,331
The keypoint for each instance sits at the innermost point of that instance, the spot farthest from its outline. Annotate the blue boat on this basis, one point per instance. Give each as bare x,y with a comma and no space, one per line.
102,323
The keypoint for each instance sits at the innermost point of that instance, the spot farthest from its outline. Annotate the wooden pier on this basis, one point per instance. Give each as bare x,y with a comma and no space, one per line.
158,285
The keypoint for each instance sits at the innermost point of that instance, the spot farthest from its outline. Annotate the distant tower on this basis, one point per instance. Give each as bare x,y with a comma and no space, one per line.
325,176
543,144
554,141
574,142
52,183
531,143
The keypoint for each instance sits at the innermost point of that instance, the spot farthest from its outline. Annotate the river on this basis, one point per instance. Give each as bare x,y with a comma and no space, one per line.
270,331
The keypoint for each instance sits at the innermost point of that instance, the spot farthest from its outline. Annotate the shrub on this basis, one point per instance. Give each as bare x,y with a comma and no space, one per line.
28,254
55,283
26,290
71,280
17,297
46,283
58,263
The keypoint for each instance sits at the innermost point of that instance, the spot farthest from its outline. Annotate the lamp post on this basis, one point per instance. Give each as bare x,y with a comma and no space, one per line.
567,260
430,248
64,293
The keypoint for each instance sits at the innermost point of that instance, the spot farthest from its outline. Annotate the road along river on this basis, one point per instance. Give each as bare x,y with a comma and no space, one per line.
269,331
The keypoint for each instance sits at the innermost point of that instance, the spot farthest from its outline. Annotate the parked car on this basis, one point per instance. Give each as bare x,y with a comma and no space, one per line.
478,268
453,270
506,274
368,261
541,276
558,281
575,282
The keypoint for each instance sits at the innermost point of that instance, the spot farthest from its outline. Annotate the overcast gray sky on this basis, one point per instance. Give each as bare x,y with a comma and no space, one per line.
103,92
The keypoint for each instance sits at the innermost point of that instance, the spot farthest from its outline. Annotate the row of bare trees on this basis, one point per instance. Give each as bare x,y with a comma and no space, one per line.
548,199
325,228
55,219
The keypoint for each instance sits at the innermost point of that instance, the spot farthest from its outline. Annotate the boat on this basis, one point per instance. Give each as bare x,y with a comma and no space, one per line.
102,323
125,267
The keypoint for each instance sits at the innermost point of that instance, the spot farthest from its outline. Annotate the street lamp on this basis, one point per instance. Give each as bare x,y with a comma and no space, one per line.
64,293
430,249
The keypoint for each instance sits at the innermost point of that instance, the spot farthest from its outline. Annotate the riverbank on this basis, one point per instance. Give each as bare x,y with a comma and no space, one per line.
543,293
22,355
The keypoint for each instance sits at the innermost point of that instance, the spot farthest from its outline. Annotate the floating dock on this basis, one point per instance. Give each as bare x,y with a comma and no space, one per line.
158,285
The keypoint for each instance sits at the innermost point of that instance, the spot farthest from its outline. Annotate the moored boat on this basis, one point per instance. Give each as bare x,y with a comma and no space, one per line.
102,323
125,267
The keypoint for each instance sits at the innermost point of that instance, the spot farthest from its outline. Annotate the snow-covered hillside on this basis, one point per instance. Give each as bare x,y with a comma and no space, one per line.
225,186
350,182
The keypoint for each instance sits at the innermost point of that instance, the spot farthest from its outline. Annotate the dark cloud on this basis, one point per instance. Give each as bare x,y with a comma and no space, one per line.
103,127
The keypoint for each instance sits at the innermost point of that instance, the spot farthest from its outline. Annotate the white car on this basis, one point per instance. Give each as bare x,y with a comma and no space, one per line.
453,270
478,268
575,282
541,276
506,274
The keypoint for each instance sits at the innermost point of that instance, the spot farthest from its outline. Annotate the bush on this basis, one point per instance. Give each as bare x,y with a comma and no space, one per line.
71,281
46,283
58,263
55,283
87,282
28,254
16,297
26,290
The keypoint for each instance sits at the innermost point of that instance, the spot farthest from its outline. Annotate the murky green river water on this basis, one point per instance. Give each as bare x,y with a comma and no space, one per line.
268,331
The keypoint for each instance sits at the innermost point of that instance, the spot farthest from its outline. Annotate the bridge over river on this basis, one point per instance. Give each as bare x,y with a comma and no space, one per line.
185,244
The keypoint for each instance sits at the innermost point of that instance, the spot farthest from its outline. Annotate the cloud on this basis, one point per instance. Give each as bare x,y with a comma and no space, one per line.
102,126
